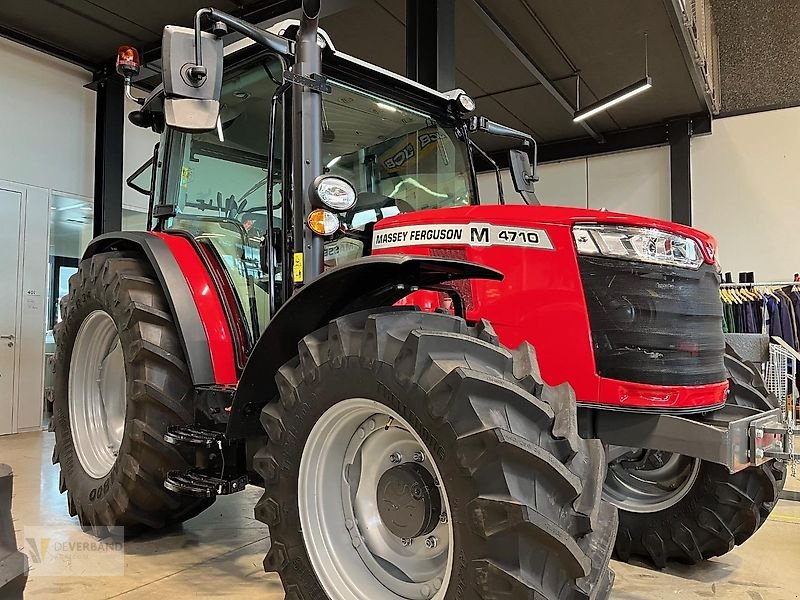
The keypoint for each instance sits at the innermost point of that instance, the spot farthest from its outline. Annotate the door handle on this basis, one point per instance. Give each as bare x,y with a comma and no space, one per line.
7,336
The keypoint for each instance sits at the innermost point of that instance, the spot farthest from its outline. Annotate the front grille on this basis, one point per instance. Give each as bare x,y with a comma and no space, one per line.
462,287
653,323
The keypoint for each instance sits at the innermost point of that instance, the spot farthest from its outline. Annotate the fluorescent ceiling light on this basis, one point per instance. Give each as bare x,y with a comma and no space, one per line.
334,160
388,107
615,98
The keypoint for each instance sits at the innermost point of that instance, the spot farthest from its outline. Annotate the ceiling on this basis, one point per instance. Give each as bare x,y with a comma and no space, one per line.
601,39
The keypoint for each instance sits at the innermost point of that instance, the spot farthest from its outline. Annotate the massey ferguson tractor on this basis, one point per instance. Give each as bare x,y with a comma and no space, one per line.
323,307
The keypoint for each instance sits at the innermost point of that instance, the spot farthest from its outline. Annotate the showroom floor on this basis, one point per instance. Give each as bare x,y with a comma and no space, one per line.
219,553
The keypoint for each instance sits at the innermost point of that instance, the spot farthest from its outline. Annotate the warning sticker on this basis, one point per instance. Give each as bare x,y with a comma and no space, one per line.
461,234
298,267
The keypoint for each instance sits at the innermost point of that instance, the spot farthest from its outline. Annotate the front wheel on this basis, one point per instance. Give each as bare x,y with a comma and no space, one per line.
679,508
410,456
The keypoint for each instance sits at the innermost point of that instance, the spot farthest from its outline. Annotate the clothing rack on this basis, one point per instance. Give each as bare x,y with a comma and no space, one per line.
759,284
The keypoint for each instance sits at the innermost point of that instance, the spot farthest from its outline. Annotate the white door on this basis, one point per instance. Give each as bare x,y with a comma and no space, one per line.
10,213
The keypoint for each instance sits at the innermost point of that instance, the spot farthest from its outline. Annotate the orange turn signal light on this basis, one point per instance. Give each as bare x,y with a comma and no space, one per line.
322,222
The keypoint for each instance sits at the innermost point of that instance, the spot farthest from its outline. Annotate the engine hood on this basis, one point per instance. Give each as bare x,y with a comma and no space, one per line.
522,215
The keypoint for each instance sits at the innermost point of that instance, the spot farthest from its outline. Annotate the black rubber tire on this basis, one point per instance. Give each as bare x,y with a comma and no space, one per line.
497,428
721,510
746,384
159,391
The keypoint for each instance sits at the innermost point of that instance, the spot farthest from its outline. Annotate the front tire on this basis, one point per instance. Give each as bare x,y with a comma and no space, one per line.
518,489
676,508
121,380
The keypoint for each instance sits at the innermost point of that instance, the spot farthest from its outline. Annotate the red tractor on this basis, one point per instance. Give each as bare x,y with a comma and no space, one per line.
324,308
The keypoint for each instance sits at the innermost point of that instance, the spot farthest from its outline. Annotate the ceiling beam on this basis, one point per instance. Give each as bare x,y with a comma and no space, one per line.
46,47
647,136
527,61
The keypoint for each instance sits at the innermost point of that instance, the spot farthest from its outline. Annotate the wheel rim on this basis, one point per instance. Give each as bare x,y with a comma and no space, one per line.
648,481
97,394
355,470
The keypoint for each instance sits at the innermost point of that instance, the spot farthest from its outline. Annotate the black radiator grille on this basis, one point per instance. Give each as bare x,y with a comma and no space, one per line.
654,324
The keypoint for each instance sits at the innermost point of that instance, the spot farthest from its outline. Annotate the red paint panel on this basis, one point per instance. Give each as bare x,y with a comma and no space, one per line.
209,305
624,394
541,298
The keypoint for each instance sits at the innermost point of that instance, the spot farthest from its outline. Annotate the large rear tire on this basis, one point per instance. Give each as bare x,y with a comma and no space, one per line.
121,380
405,400
676,508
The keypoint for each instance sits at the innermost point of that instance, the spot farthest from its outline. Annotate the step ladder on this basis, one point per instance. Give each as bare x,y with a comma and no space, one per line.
212,479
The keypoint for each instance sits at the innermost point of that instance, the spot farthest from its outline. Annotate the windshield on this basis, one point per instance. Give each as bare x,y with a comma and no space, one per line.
399,159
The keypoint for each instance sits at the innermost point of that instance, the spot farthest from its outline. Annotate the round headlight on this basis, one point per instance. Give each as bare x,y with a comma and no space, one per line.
466,103
334,192
323,222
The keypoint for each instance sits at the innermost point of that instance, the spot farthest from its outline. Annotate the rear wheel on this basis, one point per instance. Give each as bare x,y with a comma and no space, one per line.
410,456
121,380
679,508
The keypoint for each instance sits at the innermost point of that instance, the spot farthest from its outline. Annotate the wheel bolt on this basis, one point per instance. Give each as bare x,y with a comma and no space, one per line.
419,456
406,542
431,542
396,458
443,518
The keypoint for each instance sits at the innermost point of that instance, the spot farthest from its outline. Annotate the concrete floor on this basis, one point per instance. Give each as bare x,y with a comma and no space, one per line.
219,553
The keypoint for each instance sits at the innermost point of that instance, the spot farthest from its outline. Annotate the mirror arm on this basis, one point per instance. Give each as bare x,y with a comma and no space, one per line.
490,127
198,72
491,161
223,21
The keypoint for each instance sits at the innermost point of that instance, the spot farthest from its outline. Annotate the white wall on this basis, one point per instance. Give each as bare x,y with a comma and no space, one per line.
635,182
746,192
47,121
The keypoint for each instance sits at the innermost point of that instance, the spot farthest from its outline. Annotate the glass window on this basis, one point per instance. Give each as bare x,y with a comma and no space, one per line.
217,181
141,179
399,159
71,229
134,220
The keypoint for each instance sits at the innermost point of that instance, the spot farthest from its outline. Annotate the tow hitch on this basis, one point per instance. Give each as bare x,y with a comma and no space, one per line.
772,438
733,436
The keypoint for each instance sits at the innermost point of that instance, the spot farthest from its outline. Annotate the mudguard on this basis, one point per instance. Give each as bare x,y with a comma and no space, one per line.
169,273
362,284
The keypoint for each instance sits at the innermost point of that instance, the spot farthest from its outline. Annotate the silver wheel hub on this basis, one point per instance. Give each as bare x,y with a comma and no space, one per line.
373,510
649,481
97,394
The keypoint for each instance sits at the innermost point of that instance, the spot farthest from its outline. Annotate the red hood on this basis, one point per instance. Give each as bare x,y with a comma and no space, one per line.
553,215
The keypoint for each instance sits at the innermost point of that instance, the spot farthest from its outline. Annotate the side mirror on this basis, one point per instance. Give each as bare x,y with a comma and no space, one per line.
191,92
522,172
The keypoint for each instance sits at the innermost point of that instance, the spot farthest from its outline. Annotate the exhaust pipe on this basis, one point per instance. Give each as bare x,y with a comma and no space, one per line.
307,146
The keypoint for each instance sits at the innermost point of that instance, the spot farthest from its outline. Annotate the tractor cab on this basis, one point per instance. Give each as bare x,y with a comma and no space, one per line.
228,188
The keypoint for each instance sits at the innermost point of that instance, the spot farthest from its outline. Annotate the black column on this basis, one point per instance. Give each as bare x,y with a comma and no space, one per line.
108,143
430,43
680,170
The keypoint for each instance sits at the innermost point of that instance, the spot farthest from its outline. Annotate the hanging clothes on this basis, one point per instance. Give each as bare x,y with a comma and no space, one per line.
773,308
730,324
793,322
